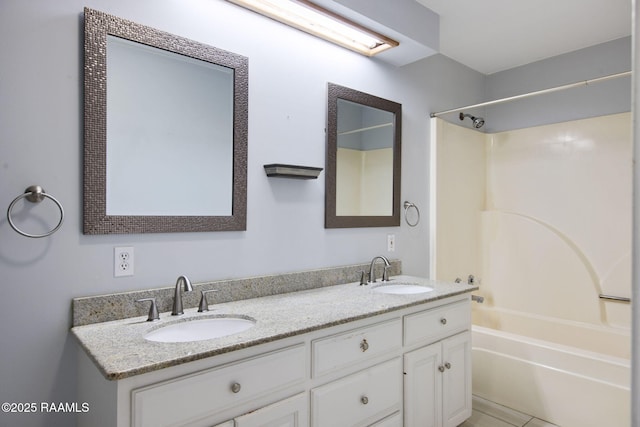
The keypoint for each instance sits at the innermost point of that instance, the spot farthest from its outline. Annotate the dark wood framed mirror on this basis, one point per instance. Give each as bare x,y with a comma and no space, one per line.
165,131
363,160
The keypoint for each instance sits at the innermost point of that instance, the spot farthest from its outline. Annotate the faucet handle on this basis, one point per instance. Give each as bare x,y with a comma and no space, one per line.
385,273
153,309
204,304
363,278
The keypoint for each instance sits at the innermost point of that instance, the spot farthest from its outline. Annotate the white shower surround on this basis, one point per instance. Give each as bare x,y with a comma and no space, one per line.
542,216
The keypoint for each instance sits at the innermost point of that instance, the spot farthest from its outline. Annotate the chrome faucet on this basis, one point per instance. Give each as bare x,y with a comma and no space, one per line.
177,297
385,274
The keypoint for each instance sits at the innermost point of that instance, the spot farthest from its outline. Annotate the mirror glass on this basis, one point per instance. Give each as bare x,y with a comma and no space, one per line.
144,124
165,131
363,160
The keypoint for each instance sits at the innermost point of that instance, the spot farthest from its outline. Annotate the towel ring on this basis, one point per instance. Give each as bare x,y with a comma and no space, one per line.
34,194
408,205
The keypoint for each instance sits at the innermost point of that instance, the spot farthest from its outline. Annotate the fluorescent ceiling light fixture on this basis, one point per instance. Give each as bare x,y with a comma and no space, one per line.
313,19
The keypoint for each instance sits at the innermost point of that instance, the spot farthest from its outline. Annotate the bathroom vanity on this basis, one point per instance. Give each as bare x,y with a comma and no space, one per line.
344,355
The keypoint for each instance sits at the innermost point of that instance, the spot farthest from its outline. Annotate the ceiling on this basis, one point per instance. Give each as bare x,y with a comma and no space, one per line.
495,35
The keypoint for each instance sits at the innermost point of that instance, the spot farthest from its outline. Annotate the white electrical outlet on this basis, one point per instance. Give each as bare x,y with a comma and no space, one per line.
123,261
391,242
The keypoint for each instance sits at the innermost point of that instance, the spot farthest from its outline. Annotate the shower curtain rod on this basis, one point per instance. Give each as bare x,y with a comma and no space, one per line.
539,92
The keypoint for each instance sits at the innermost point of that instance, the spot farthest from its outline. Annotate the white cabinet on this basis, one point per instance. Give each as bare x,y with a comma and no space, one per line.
350,374
437,383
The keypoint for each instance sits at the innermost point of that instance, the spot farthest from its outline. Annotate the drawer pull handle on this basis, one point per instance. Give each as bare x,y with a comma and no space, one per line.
235,387
441,368
364,400
447,365
364,345
443,321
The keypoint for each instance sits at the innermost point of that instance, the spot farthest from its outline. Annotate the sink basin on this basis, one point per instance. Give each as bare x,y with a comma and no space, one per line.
200,329
402,289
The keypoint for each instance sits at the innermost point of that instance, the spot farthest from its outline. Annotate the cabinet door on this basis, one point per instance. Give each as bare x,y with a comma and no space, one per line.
423,387
456,379
290,412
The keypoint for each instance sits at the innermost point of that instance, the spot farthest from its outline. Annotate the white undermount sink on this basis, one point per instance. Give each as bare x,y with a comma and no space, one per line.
200,329
402,289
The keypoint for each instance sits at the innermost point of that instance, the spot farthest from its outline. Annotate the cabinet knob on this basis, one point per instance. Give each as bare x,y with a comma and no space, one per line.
235,387
447,365
443,321
364,400
441,368
364,345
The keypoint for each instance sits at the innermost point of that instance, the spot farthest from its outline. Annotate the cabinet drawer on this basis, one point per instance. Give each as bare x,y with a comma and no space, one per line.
432,325
359,399
194,397
292,412
394,420
355,346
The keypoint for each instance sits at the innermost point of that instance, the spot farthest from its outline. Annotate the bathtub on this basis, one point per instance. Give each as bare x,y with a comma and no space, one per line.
567,373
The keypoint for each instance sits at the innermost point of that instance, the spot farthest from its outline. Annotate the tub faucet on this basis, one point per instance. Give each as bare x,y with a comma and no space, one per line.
385,274
177,296
477,298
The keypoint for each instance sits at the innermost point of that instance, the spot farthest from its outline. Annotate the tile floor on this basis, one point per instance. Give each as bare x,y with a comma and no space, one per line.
489,414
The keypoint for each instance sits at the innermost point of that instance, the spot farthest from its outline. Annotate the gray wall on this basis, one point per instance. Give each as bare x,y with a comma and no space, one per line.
592,100
41,143
608,97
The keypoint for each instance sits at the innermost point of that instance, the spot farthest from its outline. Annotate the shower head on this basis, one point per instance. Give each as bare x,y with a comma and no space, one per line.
478,122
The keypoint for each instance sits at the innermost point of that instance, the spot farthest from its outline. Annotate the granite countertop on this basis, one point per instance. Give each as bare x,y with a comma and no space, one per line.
119,350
